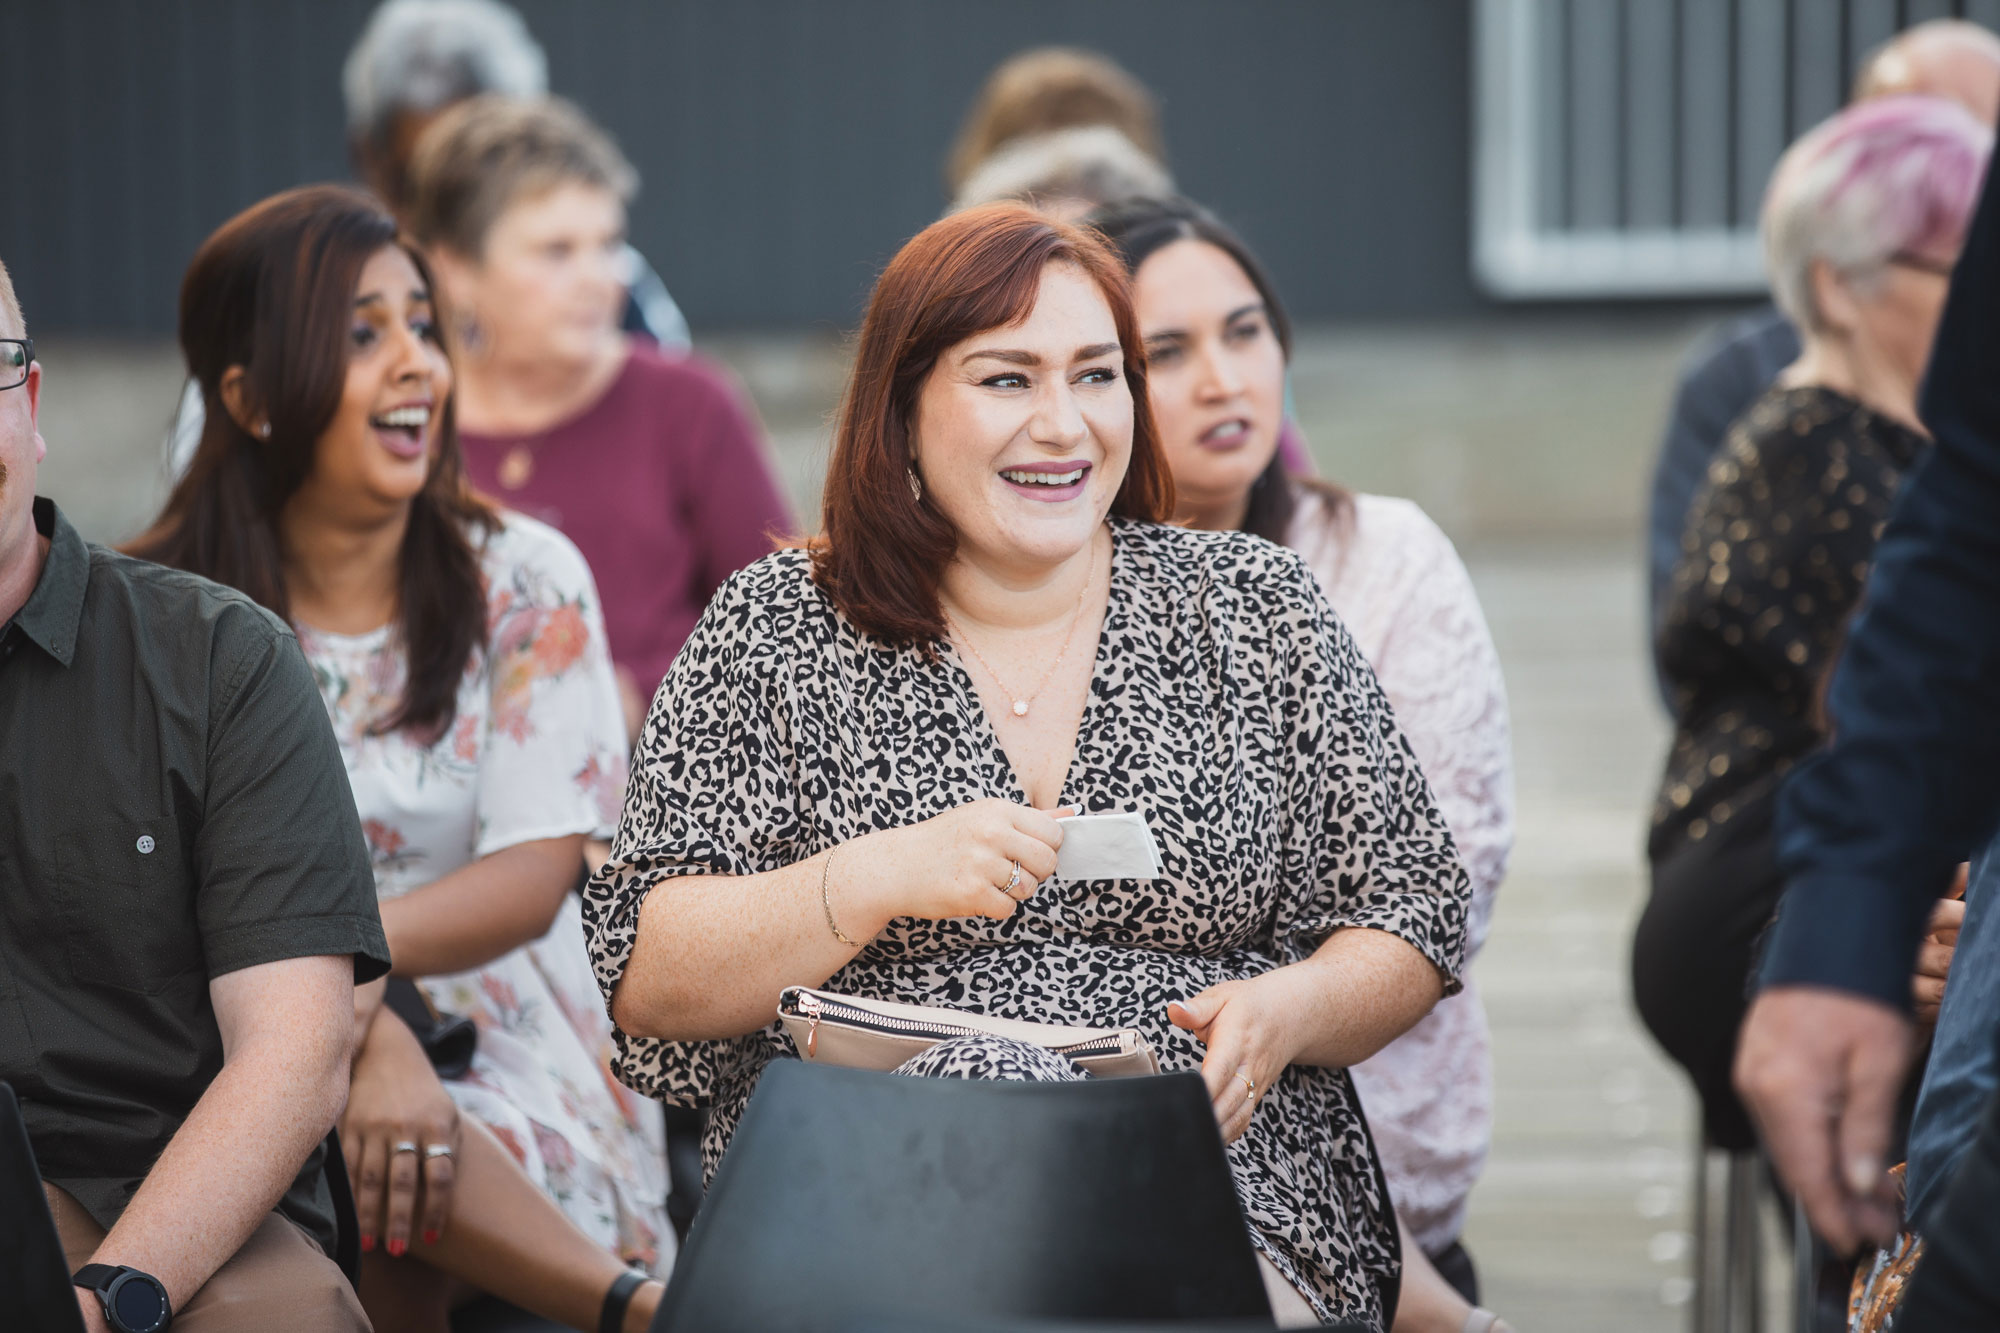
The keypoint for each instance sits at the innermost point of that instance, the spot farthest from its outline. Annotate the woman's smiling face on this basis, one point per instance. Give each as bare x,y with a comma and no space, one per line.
1023,432
381,443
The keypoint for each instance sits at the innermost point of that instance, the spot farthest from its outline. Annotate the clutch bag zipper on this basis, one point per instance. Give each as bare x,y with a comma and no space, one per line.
814,1008
811,1006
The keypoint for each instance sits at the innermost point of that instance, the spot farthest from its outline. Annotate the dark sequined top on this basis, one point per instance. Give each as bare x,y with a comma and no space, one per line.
1773,560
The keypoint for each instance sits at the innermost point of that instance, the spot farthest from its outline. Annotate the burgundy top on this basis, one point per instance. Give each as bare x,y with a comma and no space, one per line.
662,483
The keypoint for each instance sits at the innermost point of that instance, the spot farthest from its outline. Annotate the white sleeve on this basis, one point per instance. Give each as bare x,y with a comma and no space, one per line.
1439,668
555,757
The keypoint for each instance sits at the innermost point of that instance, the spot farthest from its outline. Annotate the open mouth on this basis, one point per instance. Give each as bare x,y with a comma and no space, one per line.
1225,435
1047,481
402,430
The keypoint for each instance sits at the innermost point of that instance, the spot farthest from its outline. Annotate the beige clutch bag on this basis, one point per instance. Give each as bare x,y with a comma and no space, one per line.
880,1034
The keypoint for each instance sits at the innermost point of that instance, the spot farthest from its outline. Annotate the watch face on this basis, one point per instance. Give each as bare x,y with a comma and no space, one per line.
138,1303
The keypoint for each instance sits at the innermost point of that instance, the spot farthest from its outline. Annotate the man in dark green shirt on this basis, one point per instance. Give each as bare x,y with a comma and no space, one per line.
185,907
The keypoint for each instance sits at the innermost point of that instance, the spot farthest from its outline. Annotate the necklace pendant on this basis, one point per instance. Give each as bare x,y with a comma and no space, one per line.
1020,708
516,466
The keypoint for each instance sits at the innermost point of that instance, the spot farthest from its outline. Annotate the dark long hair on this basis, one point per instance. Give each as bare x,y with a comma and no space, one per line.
272,291
1137,229
880,550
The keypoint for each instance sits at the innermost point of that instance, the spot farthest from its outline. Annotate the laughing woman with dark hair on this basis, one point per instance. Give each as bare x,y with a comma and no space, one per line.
854,770
460,651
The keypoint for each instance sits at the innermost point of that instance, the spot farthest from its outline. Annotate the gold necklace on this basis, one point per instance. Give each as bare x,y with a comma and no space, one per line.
517,465
1021,702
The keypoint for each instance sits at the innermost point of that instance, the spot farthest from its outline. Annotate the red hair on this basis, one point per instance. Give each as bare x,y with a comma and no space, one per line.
880,552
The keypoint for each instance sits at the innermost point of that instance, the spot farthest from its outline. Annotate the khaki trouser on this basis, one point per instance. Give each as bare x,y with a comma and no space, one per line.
278,1280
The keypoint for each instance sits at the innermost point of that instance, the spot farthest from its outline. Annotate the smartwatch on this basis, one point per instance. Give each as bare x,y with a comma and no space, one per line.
134,1302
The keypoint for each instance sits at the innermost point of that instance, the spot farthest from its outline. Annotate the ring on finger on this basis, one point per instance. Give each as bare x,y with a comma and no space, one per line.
402,1145
1249,1087
436,1150
1013,881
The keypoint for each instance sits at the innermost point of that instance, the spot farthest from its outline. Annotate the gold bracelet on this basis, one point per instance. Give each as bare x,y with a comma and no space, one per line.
826,905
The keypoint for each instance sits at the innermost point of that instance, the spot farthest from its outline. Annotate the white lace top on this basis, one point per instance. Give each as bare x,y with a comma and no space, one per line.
1403,593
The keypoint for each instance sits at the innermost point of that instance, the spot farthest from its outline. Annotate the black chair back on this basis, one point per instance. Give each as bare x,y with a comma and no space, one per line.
34,1276
849,1196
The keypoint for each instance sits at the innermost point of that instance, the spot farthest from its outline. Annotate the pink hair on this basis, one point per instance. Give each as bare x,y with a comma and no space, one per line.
1887,175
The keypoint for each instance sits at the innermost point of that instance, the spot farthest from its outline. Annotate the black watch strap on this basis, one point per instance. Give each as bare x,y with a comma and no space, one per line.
110,1283
611,1318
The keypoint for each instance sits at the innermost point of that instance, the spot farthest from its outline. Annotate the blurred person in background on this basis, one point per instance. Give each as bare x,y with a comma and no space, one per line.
1862,223
416,60
1051,88
461,656
1217,341
413,61
1066,173
654,465
1869,832
1067,131
996,565
1733,366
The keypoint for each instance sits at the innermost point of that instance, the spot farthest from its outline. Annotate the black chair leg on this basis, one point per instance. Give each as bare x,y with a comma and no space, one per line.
685,1126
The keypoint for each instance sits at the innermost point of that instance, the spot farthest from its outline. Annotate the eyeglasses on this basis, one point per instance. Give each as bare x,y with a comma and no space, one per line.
16,355
1922,263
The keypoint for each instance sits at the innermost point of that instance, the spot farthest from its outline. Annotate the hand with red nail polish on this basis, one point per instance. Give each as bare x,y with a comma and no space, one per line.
399,1133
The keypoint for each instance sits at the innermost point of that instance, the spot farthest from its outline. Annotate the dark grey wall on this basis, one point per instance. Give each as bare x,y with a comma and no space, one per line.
787,146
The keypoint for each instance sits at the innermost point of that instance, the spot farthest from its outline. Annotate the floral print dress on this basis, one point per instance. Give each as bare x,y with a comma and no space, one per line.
535,750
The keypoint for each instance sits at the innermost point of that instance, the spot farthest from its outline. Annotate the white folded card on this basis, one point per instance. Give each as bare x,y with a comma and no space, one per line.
1107,847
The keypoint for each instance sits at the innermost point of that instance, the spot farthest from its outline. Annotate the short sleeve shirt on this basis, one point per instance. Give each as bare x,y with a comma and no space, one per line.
172,808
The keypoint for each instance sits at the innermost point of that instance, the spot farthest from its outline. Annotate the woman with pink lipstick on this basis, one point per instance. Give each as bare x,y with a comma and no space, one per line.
462,657
854,773
1217,341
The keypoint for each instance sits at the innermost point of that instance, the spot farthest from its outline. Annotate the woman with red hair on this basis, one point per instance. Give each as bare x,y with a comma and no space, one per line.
854,771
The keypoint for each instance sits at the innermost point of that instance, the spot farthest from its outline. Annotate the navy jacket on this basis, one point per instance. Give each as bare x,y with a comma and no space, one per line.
1961,1073
1870,829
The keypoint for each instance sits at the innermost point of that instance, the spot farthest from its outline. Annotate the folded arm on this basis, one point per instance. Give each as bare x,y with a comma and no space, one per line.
481,911
1352,996
713,951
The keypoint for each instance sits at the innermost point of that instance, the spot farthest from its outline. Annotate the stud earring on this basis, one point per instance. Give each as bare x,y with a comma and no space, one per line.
916,486
264,430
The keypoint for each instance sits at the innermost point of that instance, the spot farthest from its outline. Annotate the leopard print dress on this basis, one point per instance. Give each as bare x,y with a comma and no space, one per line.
1227,705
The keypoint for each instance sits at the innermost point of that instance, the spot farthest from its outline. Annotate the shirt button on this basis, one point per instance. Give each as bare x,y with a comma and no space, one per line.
146,844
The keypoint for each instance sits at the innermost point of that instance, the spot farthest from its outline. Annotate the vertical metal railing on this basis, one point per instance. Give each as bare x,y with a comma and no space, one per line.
1620,147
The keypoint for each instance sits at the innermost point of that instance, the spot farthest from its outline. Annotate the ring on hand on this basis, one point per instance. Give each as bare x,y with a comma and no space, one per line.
437,1150
1013,881
402,1145
1249,1086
